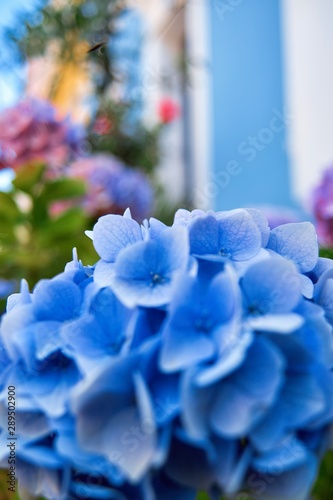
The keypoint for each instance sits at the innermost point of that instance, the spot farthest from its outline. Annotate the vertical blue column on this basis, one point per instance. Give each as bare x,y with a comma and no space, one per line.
250,164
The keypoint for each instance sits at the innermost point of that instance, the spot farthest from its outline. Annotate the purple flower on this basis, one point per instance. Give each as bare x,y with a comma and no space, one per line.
277,216
323,208
112,187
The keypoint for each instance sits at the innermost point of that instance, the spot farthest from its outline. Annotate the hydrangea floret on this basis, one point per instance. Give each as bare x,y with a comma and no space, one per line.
192,357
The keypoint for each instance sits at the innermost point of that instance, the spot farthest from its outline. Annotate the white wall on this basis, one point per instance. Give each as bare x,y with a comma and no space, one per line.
163,32
197,27
308,45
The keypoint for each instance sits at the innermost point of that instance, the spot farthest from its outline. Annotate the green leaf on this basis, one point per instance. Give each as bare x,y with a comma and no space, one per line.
8,208
324,486
326,252
71,222
62,189
28,176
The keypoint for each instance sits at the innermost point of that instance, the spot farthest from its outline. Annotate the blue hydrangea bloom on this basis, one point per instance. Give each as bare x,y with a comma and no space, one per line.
192,357
233,235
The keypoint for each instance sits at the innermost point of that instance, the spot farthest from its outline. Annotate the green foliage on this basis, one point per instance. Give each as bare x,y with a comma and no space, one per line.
323,489
326,252
35,244
202,496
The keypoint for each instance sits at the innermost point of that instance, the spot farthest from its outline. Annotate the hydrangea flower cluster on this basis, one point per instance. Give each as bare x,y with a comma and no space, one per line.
192,357
31,131
323,208
112,187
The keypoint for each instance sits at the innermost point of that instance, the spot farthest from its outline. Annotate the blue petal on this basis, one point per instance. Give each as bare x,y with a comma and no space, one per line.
56,299
322,266
184,217
155,227
239,237
324,294
164,391
145,325
103,274
229,359
196,405
297,242
193,333
307,286
248,392
287,455
18,319
231,402
31,424
95,492
239,472
112,233
261,374
47,338
184,346
272,286
204,234
316,338
24,297
277,323
207,269
294,484
42,482
115,378
304,399
53,396
125,433
144,273
300,401
41,456
78,336
261,220
223,297
226,463
21,346
145,406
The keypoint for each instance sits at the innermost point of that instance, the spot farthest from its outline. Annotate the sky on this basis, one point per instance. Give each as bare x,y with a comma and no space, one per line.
11,79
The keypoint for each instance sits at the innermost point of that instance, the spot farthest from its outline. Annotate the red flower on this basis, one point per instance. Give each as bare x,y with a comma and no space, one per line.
168,110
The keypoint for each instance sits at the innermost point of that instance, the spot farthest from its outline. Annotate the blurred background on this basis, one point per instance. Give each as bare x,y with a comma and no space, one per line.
156,105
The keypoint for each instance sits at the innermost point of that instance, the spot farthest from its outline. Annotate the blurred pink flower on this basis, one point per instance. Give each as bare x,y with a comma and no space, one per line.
168,110
112,187
31,131
323,208
102,125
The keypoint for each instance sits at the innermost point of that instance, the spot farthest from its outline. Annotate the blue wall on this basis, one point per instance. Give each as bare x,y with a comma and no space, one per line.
250,164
